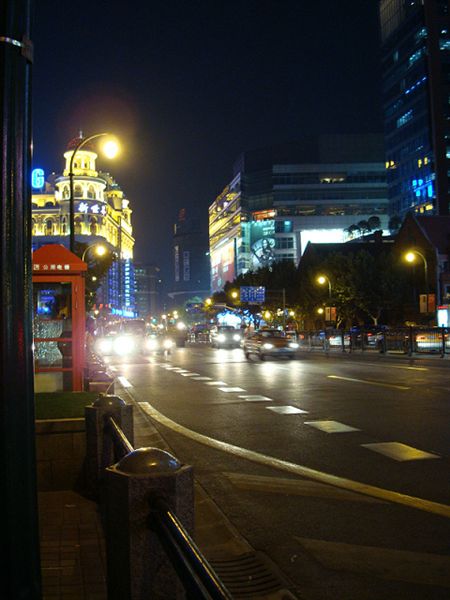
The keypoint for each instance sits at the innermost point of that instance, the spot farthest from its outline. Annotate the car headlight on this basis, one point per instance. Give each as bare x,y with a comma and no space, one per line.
104,346
221,337
236,337
293,345
124,345
267,346
167,344
151,344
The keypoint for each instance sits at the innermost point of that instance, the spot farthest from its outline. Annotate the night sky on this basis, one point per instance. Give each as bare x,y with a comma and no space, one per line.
188,85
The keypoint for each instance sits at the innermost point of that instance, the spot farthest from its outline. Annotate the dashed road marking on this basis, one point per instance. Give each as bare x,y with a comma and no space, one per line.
399,452
331,426
286,410
124,382
255,398
215,383
231,389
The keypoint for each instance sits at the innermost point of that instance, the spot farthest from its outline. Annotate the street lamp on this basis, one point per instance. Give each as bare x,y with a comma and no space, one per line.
110,149
100,250
234,294
411,256
321,280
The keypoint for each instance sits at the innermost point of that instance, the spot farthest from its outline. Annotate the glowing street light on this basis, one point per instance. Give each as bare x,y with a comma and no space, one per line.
411,257
234,294
100,250
320,311
110,149
208,302
321,280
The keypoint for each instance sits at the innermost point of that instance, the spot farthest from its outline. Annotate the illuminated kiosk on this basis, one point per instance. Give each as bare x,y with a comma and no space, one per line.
59,319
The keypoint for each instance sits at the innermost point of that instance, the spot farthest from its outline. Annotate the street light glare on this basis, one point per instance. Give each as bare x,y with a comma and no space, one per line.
410,256
321,279
100,250
110,148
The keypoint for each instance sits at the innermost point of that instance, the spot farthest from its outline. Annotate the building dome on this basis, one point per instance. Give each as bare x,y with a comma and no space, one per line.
76,140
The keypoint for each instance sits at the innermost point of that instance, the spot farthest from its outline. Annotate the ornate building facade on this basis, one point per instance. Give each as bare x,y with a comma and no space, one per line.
102,214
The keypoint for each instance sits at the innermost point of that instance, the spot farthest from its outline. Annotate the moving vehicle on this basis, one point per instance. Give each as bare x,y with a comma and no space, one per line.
269,343
121,338
225,336
158,344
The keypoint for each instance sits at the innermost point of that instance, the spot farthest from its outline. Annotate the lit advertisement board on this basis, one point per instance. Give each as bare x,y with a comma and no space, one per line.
262,243
222,266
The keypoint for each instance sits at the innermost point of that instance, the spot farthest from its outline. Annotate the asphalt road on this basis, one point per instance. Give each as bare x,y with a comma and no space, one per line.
337,468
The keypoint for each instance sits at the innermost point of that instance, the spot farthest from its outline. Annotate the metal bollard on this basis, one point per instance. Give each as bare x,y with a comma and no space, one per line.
99,444
137,565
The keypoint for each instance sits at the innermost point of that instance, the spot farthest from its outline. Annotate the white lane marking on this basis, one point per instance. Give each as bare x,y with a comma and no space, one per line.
202,378
400,452
124,382
189,374
286,410
369,382
215,383
276,463
331,426
231,389
255,398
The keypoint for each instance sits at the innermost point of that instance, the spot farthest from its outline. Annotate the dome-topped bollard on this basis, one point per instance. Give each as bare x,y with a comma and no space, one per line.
99,442
137,564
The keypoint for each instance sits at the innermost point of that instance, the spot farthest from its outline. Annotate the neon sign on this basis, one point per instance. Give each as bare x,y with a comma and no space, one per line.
37,178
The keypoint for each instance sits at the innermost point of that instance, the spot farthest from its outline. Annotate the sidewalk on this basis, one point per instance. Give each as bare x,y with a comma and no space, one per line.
73,560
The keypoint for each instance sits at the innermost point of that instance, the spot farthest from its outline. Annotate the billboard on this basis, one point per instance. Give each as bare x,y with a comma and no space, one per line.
222,266
262,243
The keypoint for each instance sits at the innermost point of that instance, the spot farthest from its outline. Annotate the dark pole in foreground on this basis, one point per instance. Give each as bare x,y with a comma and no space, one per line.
19,530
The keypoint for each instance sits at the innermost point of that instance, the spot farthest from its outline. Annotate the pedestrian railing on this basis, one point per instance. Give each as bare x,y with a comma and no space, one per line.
147,498
394,340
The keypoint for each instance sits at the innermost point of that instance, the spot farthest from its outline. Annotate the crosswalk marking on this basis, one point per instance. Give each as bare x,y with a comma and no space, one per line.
399,452
215,383
331,426
385,563
286,410
255,398
231,389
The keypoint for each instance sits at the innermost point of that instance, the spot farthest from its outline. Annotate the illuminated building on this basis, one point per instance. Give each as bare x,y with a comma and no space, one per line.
283,197
415,37
102,215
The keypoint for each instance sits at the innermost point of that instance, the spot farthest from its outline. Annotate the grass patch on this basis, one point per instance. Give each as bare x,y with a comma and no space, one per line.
62,405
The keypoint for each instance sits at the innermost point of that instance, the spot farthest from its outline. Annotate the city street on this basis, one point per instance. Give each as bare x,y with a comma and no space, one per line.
337,468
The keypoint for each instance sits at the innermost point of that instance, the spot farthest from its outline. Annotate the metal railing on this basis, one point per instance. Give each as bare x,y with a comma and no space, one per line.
394,340
196,575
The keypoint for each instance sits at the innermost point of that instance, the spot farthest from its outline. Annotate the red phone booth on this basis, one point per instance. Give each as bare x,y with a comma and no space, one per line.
59,319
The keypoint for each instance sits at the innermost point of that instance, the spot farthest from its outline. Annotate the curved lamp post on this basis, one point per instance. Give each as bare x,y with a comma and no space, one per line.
110,149
410,257
101,250
321,280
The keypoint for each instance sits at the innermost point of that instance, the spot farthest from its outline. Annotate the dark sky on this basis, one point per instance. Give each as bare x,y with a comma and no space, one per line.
189,84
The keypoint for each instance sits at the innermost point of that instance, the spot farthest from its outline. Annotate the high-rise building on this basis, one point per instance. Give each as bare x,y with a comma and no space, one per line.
102,214
191,259
415,38
146,293
320,189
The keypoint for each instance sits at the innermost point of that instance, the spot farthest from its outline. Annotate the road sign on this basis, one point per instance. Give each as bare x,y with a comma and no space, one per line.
253,294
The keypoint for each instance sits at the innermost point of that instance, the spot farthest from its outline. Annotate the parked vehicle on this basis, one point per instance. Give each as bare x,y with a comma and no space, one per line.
267,343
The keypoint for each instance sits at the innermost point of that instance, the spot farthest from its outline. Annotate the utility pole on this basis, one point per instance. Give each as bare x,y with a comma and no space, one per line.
20,533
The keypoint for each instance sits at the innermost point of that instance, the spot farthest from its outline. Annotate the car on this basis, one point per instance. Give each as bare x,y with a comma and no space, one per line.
266,343
432,340
121,338
225,336
158,344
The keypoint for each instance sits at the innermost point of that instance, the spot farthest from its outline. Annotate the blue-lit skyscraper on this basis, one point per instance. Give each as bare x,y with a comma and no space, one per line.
415,37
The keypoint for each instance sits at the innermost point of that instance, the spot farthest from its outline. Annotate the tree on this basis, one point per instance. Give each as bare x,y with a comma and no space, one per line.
374,223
